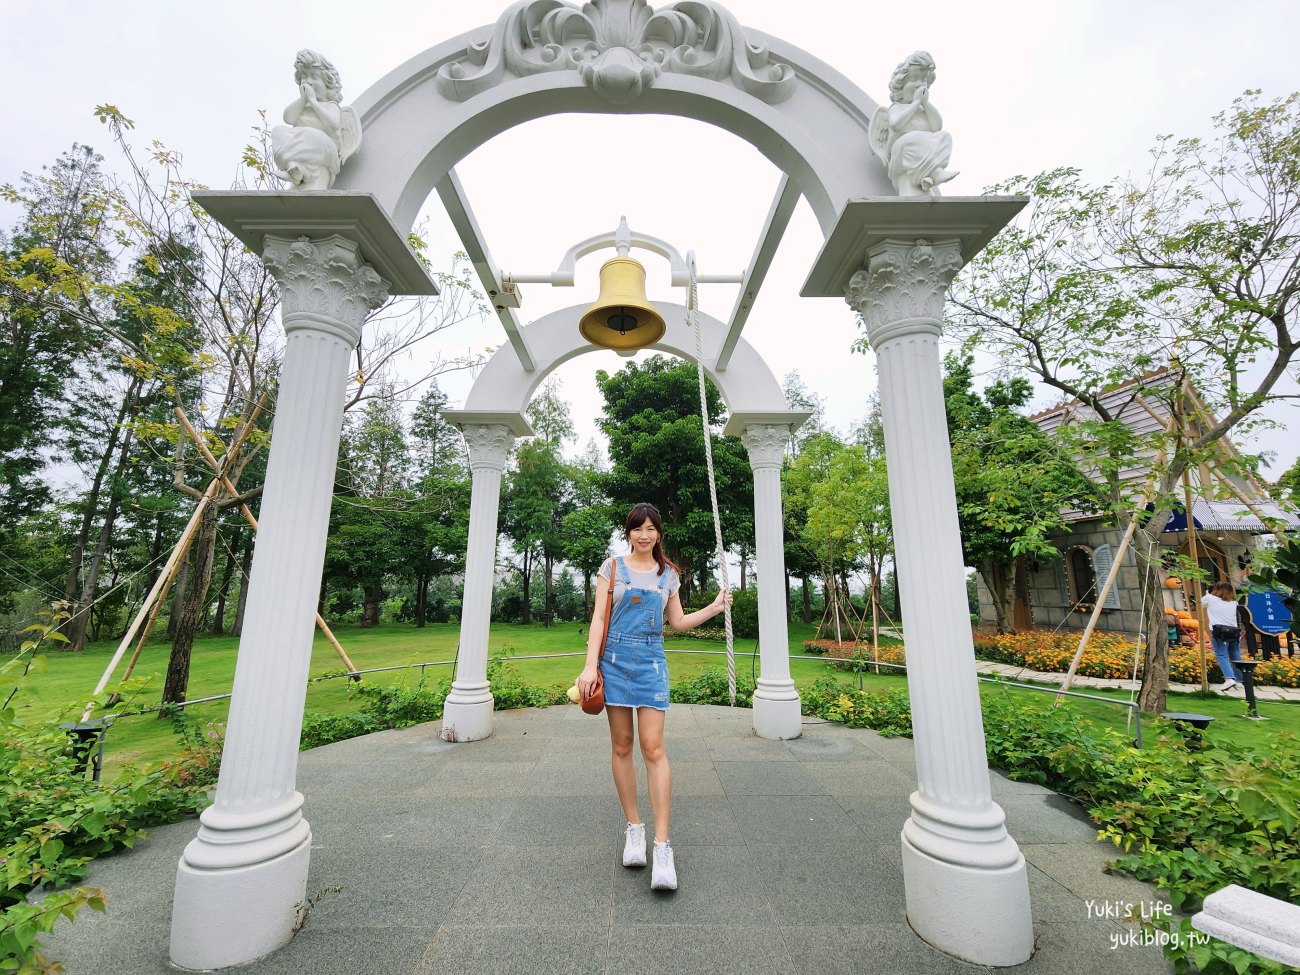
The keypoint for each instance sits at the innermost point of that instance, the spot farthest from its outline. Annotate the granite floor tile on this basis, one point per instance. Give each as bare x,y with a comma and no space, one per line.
768,778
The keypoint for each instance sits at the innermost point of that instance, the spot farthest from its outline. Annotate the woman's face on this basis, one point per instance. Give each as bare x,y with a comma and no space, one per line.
644,536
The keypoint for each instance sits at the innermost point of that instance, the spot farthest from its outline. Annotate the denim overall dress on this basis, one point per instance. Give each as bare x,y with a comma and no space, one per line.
634,666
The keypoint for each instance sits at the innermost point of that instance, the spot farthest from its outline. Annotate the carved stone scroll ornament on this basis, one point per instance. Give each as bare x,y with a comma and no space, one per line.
489,445
322,133
324,281
619,48
766,443
905,283
908,135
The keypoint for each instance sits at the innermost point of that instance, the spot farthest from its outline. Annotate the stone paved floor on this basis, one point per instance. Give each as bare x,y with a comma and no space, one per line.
502,856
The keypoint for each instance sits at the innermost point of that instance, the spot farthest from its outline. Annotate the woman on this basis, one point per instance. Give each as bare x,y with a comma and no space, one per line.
1221,607
636,677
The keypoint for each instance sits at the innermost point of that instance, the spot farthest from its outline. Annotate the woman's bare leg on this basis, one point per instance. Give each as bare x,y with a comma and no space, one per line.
659,777
620,762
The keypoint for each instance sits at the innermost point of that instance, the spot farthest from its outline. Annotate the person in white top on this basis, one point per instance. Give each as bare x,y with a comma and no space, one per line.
1221,607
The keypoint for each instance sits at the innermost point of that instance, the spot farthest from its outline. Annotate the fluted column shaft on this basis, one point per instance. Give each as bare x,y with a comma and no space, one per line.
776,701
255,829
467,713
964,873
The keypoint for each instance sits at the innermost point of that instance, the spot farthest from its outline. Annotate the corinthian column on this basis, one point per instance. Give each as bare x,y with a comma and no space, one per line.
967,888
239,881
467,713
776,702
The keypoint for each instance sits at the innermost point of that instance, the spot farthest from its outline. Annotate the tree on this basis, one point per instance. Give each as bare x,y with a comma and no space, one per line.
534,504
1288,485
799,397
587,529
1194,265
50,268
656,445
1014,481
437,521
550,416
838,504
367,542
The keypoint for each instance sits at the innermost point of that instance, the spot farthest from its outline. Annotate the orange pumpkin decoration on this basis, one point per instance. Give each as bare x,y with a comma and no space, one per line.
1173,582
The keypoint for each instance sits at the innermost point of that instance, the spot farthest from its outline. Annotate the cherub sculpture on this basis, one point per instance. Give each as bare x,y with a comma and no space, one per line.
321,133
908,136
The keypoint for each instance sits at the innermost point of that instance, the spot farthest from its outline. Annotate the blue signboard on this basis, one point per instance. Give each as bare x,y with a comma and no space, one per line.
1267,612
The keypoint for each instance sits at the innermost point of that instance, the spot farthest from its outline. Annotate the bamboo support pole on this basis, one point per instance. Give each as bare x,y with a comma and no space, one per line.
148,628
1147,491
1200,606
252,522
168,569
152,604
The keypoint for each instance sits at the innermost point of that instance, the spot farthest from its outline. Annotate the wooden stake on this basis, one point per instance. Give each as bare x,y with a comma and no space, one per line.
153,601
144,634
1147,491
168,569
248,517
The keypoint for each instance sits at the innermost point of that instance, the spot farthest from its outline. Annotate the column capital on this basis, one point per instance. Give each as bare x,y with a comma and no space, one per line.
766,443
324,284
489,445
902,288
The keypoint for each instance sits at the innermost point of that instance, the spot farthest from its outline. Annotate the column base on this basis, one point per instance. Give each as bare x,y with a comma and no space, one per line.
778,720
978,915
462,721
234,916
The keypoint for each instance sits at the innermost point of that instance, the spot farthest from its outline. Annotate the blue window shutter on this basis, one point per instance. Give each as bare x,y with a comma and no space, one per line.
1062,582
1102,559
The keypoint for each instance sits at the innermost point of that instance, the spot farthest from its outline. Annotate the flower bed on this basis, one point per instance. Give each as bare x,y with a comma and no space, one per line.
1109,655
857,653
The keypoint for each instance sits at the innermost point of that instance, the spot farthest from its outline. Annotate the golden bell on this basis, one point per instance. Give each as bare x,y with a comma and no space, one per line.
622,318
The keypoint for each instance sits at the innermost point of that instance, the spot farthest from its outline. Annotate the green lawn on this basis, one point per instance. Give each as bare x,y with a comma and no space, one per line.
69,678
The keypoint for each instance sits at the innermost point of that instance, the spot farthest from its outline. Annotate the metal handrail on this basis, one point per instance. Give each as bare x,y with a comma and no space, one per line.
860,662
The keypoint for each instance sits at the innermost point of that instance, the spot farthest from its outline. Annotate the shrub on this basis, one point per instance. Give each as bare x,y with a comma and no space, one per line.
400,705
382,706
887,712
710,687
54,820
744,616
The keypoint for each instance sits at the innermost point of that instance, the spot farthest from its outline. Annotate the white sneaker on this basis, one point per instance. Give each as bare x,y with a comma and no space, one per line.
634,845
664,875
1226,686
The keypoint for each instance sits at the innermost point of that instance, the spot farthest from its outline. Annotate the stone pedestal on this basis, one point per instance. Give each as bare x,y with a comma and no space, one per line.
467,713
967,886
241,880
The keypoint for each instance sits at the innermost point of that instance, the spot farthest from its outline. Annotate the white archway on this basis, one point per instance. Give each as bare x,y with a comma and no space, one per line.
338,253
432,111
494,415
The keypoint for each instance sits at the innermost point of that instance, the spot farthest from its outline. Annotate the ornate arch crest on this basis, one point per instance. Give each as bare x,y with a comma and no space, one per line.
618,47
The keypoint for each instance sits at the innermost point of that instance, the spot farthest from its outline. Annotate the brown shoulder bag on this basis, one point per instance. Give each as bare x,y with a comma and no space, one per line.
596,702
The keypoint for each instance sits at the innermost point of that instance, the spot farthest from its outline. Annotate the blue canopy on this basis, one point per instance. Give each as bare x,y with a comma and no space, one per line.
1231,516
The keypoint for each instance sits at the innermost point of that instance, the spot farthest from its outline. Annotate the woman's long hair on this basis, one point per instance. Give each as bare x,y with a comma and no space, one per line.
1224,590
637,517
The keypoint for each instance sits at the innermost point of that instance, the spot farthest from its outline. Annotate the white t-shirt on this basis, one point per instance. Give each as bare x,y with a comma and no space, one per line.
640,580
1221,612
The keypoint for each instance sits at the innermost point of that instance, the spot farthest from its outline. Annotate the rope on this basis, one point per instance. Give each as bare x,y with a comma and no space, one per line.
693,322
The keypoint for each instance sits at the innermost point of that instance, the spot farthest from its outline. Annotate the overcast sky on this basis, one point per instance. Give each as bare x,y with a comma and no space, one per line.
1022,87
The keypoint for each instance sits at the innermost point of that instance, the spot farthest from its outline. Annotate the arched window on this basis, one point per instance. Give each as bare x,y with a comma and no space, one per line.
1081,575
